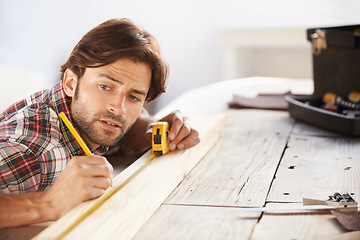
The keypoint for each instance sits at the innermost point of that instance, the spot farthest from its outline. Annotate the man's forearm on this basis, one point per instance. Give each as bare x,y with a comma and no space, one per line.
17,210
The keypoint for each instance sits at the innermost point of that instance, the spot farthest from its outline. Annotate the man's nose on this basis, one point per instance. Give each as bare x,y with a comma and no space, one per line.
117,104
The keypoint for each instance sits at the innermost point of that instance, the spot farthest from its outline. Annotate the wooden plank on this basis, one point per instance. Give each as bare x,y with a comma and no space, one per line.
239,169
194,222
126,212
316,167
308,225
302,128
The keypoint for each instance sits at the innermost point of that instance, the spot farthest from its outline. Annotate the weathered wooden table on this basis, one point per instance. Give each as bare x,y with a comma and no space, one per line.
263,158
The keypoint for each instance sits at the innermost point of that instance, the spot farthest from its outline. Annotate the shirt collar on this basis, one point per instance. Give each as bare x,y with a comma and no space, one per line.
61,103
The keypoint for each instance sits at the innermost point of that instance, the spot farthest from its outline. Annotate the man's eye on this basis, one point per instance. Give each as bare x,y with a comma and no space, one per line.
134,98
104,87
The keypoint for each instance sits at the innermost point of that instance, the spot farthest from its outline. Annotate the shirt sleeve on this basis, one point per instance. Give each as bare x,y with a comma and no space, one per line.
25,140
19,169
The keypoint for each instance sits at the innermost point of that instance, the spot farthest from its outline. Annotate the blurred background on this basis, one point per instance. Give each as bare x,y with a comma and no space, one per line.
204,41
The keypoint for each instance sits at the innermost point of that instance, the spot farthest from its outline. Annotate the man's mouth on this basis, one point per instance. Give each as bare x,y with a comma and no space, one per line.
111,124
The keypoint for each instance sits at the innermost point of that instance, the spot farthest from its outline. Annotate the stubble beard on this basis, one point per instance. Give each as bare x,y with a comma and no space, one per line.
87,124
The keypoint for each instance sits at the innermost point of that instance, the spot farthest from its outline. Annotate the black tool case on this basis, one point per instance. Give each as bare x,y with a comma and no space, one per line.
336,68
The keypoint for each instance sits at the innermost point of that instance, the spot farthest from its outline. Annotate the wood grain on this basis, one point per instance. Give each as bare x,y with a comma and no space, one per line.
239,170
299,226
126,211
189,222
302,128
316,167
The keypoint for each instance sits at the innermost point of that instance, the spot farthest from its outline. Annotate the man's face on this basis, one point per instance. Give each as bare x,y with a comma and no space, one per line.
106,101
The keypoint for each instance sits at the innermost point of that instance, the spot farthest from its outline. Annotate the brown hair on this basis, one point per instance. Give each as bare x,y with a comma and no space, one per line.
115,39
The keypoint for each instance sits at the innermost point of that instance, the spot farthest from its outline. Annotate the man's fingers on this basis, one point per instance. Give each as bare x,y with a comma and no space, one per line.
92,192
94,166
99,182
182,134
92,160
190,141
176,123
97,170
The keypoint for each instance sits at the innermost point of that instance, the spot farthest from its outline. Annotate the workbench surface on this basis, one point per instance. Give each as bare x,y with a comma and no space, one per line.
263,158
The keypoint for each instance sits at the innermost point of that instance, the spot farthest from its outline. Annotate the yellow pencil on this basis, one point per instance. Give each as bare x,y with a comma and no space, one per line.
75,134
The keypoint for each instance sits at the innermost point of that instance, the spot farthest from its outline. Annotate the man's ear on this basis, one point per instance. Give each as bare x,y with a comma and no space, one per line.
69,82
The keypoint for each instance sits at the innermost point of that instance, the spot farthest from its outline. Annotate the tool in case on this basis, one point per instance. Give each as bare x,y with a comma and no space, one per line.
336,71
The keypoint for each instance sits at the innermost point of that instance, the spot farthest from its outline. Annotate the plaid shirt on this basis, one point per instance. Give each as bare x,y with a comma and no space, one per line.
35,145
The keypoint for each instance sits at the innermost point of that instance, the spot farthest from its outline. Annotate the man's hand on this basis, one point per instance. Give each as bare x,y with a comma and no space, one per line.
181,134
84,178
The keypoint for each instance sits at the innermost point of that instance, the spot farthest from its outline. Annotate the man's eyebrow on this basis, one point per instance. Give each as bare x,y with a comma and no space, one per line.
118,81
140,92
110,77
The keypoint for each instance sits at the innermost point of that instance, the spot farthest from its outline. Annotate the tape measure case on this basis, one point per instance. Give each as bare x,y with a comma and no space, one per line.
336,68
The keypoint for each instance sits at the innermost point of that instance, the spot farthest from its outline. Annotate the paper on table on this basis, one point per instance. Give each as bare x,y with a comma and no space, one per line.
261,101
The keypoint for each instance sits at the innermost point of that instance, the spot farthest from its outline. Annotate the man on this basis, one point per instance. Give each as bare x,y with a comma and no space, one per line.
110,74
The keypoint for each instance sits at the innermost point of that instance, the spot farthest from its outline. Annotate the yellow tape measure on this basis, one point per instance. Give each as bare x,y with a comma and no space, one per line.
160,137
159,146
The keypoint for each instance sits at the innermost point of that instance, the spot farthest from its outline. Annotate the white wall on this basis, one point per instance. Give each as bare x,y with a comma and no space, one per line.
38,35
